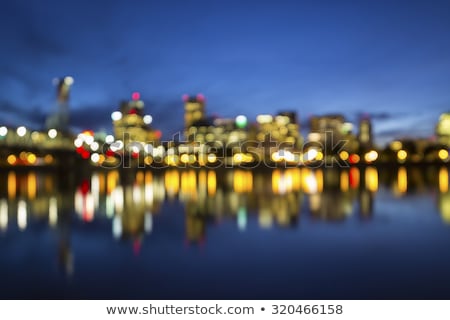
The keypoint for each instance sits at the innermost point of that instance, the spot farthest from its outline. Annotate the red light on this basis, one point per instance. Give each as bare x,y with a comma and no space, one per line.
132,111
135,96
80,150
185,97
87,217
200,97
109,153
158,134
84,188
354,158
136,247
135,155
354,177
85,154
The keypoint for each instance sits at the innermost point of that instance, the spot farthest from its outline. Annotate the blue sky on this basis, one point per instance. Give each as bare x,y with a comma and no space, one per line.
387,58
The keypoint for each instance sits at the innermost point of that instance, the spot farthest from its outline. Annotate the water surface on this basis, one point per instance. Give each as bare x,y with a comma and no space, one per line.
200,234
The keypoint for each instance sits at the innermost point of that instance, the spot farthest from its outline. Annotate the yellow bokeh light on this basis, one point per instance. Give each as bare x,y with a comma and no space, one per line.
172,160
319,155
184,158
11,159
276,157
31,158
396,145
238,157
212,158
344,155
443,154
48,159
148,160
371,156
401,155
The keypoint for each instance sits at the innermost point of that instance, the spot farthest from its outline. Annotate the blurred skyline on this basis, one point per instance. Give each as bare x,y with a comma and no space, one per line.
390,59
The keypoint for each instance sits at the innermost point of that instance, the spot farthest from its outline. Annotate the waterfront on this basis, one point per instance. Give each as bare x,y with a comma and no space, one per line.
276,234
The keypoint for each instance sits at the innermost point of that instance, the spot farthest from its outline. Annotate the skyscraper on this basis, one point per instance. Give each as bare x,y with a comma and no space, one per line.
365,134
132,125
194,110
59,119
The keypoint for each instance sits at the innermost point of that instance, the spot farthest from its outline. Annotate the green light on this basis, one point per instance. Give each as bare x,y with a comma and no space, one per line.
241,121
242,218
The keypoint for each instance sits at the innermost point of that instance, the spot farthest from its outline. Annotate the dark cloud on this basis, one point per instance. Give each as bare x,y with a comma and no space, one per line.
40,43
383,58
167,116
375,115
91,117
20,115
30,36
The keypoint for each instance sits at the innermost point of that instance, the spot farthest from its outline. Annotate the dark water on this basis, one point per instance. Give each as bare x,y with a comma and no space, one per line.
296,233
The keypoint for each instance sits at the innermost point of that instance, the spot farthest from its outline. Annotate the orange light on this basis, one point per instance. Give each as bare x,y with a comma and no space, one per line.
88,133
354,158
11,159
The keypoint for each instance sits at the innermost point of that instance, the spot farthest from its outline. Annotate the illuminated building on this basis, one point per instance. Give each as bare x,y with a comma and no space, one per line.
194,110
279,132
365,134
281,128
60,119
224,135
329,129
416,150
132,125
443,129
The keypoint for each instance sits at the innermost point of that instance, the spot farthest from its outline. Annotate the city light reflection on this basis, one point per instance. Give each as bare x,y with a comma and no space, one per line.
344,183
31,185
402,180
12,185
443,180
275,197
371,179
3,214
22,215
53,211
242,181
212,183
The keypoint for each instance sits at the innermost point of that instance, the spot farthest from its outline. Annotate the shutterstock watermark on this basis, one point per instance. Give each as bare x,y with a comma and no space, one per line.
247,153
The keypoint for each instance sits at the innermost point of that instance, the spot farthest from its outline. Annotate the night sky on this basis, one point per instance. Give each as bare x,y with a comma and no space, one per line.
387,58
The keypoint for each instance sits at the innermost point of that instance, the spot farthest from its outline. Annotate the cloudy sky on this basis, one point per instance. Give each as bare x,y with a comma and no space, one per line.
387,58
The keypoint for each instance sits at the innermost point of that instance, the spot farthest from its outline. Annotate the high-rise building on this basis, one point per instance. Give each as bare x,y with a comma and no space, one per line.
330,129
281,128
365,134
194,110
131,124
59,119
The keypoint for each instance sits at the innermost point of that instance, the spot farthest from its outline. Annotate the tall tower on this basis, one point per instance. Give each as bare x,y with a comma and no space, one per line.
59,120
194,110
365,133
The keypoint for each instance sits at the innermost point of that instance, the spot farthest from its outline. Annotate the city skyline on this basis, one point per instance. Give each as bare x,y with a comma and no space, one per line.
387,59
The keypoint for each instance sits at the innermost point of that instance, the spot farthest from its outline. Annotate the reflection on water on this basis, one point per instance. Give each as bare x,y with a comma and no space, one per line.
127,202
276,197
